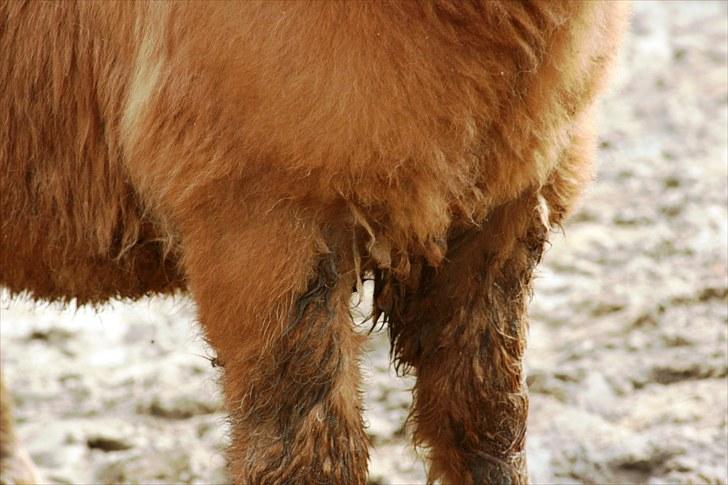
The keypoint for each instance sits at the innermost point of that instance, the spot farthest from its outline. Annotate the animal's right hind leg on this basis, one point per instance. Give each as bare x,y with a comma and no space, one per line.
16,468
462,327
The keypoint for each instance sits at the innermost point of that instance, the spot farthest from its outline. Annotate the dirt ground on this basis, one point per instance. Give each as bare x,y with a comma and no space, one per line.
628,355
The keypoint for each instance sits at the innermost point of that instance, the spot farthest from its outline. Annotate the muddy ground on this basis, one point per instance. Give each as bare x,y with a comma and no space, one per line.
628,344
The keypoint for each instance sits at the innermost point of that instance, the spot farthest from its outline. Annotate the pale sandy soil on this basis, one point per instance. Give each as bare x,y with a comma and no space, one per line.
628,345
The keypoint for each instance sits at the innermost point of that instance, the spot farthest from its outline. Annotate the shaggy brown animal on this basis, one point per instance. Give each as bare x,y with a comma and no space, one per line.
266,156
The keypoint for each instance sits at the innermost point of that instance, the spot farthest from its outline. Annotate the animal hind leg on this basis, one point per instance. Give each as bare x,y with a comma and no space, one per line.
274,302
462,328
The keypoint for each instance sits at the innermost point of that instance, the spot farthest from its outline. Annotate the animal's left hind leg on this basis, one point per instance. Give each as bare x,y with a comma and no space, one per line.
16,468
273,294
462,327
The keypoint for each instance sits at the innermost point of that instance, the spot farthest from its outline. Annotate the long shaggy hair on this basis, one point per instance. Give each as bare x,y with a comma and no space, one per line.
267,155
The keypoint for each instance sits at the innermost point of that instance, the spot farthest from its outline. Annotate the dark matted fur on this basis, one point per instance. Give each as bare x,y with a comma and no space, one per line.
265,156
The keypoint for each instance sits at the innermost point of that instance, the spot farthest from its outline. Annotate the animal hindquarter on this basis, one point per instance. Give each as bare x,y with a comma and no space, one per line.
267,156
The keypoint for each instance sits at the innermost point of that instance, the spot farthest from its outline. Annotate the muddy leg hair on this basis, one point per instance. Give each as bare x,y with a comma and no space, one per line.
291,371
462,327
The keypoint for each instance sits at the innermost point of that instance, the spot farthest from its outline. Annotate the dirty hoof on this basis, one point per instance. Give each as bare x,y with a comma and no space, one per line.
18,469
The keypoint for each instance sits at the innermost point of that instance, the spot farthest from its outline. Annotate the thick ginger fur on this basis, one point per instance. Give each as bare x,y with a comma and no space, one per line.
266,156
